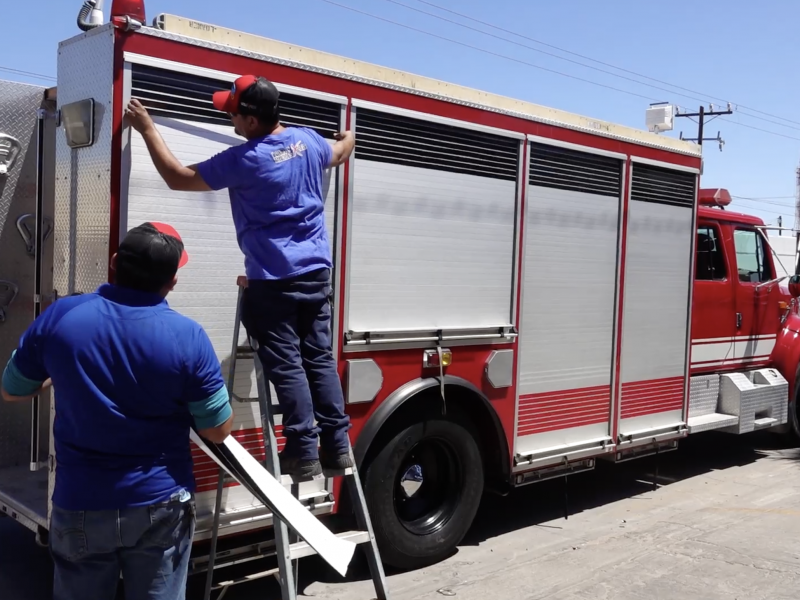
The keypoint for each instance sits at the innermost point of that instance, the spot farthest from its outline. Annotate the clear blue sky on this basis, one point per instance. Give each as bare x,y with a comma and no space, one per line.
738,51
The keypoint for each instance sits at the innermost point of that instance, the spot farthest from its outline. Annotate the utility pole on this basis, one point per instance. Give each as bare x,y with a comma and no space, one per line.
702,114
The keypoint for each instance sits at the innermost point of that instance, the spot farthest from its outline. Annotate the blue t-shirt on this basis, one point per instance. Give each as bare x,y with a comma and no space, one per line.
129,374
275,187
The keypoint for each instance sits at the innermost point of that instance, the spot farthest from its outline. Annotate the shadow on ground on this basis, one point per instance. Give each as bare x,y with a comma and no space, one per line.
544,503
26,571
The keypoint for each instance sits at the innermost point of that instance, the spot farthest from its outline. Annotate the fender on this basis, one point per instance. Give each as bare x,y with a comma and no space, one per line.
786,354
406,392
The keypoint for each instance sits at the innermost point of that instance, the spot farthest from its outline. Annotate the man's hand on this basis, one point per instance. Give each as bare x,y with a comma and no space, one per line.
343,148
138,117
174,174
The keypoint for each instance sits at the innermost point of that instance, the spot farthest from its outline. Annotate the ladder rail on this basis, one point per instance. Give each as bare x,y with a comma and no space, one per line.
212,553
364,523
282,542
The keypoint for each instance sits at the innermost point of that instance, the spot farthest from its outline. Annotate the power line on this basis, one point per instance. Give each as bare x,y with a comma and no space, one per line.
765,198
27,73
783,135
600,62
529,64
485,51
505,39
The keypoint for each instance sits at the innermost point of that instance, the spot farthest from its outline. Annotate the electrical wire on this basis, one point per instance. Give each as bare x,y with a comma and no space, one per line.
783,135
600,62
27,73
764,198
485,51
519,61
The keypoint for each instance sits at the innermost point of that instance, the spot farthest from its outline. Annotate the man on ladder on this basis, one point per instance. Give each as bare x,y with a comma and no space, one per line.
275,185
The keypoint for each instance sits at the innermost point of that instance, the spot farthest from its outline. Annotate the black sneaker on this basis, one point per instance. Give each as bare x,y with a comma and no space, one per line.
300,470
335,462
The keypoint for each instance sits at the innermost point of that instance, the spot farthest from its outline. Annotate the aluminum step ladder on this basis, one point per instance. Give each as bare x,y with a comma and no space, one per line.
288,549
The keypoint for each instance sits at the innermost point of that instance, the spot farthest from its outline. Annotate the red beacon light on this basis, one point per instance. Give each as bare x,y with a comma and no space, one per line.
718,197
133,9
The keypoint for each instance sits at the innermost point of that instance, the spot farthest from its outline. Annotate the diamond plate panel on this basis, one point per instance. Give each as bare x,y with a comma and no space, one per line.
83,176
703,395
18,105
753,395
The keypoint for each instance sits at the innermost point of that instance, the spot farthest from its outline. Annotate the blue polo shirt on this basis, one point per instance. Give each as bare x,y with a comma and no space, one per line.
129,376
275,187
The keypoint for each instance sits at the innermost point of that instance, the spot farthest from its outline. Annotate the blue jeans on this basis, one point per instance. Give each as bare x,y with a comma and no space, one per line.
291,320
149,546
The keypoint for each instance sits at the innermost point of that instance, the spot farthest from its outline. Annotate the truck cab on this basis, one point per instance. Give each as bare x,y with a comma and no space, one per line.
743,307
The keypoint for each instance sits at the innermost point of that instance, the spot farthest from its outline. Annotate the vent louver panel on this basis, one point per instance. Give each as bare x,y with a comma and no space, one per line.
400,140
188,97
663,186
565,169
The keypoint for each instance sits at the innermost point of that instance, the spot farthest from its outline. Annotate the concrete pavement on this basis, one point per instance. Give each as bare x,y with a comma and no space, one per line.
724,525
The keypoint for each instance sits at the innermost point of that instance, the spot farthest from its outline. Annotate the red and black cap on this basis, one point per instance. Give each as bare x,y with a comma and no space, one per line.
151,254
249,95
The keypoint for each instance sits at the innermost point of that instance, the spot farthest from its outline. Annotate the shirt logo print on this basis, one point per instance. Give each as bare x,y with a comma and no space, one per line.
289,153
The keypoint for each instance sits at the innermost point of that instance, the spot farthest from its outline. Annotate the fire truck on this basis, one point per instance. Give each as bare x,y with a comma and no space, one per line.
519,291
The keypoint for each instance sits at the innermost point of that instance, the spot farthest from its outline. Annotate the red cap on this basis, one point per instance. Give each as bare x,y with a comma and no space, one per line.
170,231
228,100
249,95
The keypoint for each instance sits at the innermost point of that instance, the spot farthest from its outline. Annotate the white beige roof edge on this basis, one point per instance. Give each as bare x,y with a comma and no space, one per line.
347,67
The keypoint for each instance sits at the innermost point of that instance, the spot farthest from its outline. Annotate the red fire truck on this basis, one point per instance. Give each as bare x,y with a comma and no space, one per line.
519,291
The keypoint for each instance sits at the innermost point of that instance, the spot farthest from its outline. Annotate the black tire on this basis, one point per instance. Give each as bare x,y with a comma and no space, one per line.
418,527
793,434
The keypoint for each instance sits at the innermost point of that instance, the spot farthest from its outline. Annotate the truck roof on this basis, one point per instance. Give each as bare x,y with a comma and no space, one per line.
728,215
211,36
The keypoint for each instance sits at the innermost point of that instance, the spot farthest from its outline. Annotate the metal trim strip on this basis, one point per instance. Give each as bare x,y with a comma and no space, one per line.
348,216
664,165
593,447
577,147
522,231
404,112
337,246
390,109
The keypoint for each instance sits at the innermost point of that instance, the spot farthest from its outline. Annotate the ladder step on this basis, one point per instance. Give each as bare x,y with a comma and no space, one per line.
711,421
326,474
302,549
764,422
246,578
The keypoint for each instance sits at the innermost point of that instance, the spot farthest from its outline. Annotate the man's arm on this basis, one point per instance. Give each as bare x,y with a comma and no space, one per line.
24,377
342,149
174,174
213,416
8,397
206,393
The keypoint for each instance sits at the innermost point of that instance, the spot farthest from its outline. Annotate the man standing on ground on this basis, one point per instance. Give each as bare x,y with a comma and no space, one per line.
130,375
275,185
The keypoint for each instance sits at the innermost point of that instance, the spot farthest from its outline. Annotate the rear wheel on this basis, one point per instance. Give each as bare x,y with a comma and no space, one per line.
423,489
794,411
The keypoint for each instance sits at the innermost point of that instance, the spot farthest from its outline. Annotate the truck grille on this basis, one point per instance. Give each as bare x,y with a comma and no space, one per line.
188,97
401,140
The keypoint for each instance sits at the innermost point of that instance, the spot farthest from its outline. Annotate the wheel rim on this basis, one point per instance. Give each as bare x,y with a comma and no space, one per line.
427,486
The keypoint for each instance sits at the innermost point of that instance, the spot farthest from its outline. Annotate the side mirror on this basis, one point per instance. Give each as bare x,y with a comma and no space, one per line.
794,286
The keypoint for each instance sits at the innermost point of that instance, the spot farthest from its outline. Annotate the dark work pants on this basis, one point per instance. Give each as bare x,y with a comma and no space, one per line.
291,320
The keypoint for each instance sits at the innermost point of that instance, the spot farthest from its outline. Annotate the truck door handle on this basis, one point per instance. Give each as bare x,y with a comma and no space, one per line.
738,320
